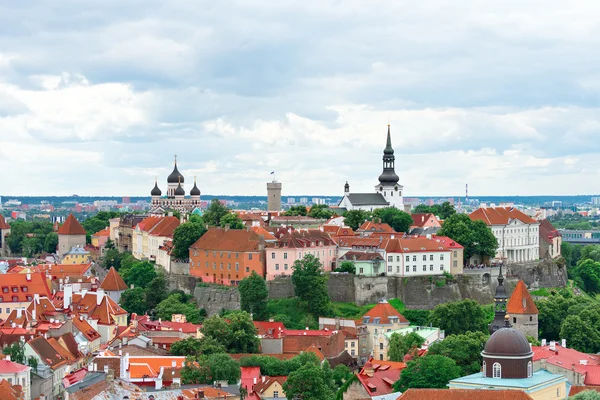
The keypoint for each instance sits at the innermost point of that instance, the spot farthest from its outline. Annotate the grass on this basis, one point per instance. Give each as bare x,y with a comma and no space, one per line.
540,292
397,304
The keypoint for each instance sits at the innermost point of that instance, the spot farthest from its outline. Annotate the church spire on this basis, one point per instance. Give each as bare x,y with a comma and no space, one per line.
388,176
388,143
500,300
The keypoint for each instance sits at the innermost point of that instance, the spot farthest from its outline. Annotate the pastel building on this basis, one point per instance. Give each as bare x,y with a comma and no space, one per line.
293,245
4,232
382,318
417,256
77,255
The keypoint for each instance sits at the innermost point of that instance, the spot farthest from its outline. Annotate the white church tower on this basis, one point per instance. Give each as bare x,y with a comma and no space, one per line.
388,185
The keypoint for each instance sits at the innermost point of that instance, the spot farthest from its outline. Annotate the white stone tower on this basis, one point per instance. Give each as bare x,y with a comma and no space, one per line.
388,180
274,196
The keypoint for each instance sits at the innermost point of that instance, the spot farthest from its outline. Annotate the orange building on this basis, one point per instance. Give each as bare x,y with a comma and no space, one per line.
227,256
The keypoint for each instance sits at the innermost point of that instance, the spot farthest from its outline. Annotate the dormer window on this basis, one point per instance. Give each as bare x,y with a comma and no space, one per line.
23,288
15,289
376,320
15,298
4,289
366,320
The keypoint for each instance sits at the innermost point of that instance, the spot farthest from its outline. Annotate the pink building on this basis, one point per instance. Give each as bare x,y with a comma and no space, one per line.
292,245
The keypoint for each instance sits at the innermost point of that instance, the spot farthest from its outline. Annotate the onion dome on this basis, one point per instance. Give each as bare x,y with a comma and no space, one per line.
195,191
179,191
388,177
156,191
175,176
507,342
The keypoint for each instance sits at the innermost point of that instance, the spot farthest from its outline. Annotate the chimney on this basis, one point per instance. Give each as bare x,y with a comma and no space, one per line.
7,357
255,380
19,311
68,296
106,369
99,296
552,345
227,226
543,342
563,343
271,320
200,394
28,277
264,378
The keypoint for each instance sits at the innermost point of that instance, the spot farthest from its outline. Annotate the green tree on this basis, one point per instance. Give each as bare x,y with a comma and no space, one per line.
475,236
579,335
224,368
464,349
307,382
591,252
16,351
238,335
586,395
112,258
173,305
156,291
294,211
310,285
196,371
442,211
184,236
400,345
254,296
140,274
346,266
197,347
320,211
233,220
215,211
355,218
459,317
134,301
553,310
341,374
109,244
397,219
51,242
31,246
430,371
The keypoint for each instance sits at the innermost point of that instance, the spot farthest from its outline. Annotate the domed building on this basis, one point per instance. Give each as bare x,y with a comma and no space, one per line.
508,361
175,198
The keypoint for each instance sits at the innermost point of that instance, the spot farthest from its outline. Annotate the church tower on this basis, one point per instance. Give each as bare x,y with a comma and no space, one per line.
388,180
500,299
174,181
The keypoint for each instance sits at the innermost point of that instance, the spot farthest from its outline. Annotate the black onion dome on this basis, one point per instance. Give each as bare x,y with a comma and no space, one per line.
195,191
507,342
156,191
388,176
175,176
179,191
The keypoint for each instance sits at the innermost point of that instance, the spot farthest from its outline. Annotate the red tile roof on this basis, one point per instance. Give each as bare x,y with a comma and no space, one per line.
148,223
140,366
9,367
10,392
412,244
266,382
500,216
165,227
74,377
362,256
306,332
85,328
379,382
262,231
578,389
447,242
103,232
47,352
520,301
460,394
3,224
383,310
420,219
335,230
370,226
269,329
547,231
61,271
569,358
113,281
218,239
22,287
71,227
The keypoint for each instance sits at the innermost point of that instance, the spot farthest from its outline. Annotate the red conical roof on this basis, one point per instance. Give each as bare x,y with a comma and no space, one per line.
520,301
71,227
113,281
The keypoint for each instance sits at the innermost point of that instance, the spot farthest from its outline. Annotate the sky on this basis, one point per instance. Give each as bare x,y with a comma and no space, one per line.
96,98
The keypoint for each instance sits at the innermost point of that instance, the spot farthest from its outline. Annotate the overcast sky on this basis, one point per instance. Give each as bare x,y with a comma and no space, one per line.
97,96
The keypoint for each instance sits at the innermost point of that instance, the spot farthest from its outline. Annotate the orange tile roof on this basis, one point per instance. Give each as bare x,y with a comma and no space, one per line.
383,310
165,227
147,223
460,394
85,328
47,352
61,350
9,392
103,232
239,240
71,227
3,224
520,301
113,281
261,386
152,364
411,244
447,242
43,307
61,271
578,389
500,216
18,288
419,219
262,231
384,374
371,226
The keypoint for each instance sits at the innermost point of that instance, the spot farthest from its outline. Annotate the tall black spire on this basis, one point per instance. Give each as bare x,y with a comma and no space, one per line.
500,300
175,176
388,176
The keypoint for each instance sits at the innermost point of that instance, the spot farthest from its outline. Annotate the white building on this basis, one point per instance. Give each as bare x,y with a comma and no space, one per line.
417,256
16,374
175,198
388,192
517,234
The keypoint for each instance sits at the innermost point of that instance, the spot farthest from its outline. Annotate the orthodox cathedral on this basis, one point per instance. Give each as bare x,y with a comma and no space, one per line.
175,198
388,193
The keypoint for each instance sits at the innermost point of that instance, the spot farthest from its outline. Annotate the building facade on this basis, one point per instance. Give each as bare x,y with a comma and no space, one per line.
70,234
388,192
550,240
175,198
419,256
4,232
274,196
522,310
517,234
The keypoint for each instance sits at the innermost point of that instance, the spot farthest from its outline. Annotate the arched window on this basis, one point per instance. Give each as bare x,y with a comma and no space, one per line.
497,370
484,372
529,369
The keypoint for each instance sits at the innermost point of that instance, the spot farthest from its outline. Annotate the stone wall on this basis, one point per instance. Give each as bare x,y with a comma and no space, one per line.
180,268
214,299
280,288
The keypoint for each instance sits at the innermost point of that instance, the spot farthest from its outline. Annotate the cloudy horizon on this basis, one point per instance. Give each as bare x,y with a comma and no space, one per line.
96,99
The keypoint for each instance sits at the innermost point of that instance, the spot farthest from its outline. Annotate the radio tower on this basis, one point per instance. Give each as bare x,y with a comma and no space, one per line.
467,194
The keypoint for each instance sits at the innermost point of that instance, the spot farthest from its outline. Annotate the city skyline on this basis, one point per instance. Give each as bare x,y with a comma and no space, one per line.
96,100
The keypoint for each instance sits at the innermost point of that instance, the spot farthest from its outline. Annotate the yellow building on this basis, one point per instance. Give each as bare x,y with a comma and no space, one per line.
77,255
270,387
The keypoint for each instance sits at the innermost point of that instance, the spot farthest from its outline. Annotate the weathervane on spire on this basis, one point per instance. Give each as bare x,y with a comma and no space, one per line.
175,158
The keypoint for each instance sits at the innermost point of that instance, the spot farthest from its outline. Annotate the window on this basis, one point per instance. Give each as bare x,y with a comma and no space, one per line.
352,352
441,257
221,254
361,270
424,257
381,357
15,289
221,265
8,310
380,346
414,268
285,266
455,254
299,254
441,267
229,266
484,371
431,257
455,264
273,255
15,298
431,267
276,267
390,258
23,288
275,394
352,344
398,258
247,269
285,256
207,253
228,255
214,265
398,269
407,258
389,268
237,266
407,268
529,369
236,255
414,258
497,370
424,268
530,319
514,320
